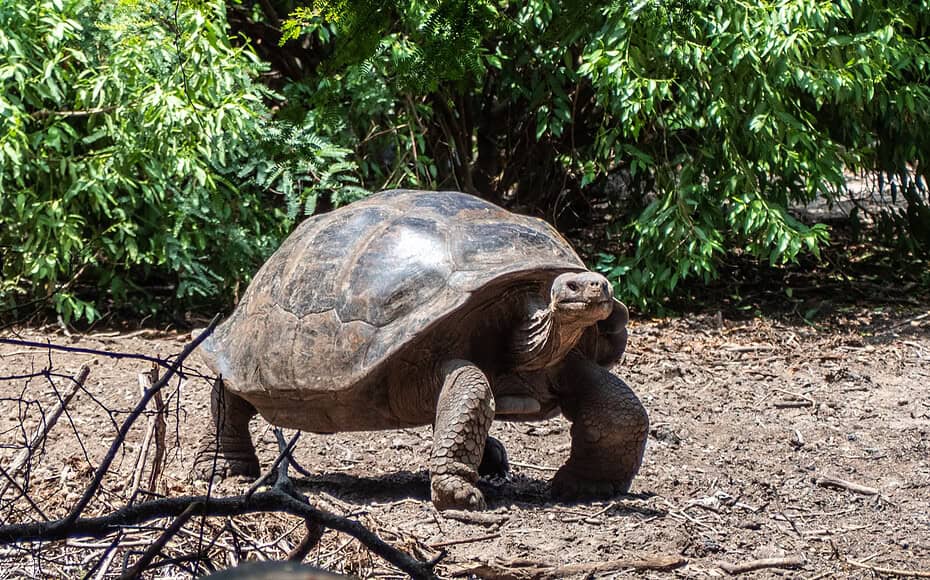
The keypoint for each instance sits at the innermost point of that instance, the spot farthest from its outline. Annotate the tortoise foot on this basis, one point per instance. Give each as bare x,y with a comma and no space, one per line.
570,486
451,492
211,463
494,462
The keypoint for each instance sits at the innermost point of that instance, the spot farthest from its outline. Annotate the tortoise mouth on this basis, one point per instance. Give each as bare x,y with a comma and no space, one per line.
577,304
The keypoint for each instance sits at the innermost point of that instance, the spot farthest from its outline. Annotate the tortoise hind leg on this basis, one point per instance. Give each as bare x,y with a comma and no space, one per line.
494,462
464,413
227,449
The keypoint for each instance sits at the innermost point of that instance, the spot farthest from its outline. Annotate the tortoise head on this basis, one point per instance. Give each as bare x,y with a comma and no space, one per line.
581,298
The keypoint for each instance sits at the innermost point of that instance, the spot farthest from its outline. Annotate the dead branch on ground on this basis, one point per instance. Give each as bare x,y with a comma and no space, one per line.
753,565
890,571
522,569
835,482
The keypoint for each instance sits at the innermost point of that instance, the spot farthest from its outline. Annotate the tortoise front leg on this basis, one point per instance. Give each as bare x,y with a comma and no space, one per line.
464,413
609,427
605,342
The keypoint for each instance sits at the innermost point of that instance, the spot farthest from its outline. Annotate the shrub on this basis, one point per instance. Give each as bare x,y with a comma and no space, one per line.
135,157
720,116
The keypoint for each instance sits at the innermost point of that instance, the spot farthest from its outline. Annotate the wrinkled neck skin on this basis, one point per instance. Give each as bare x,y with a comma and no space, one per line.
543,338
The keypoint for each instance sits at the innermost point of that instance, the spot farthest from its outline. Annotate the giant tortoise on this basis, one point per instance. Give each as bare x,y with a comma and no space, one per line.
412,308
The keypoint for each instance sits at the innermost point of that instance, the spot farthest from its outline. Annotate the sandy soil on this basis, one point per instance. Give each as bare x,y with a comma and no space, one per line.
750,421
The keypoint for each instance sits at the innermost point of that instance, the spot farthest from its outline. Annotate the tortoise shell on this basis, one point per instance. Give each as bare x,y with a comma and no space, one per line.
348,289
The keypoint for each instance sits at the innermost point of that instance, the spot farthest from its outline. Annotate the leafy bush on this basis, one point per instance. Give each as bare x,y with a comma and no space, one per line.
138,152
740,110
720,115
135,158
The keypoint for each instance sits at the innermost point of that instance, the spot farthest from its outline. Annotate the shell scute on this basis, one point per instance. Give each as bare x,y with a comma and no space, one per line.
303,280
401,270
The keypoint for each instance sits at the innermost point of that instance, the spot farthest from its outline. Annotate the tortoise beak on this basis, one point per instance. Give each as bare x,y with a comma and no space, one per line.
582,291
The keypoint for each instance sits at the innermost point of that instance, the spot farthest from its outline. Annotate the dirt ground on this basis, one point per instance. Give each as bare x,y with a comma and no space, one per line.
751,420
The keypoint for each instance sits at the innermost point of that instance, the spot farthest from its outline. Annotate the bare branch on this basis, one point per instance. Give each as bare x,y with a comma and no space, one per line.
131,419
753,565
156,547
273,500
41,432
81,350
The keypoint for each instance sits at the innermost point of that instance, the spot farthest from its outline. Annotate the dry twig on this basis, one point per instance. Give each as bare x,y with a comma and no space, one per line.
522,569
890,571
481,519
146,381
835,482
439,545
751,566
41,432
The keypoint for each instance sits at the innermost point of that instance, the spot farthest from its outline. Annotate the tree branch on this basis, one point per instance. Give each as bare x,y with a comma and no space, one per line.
273,500
127,424
75,349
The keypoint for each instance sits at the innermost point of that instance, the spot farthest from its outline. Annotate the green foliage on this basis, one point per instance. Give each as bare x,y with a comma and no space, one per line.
723,115
137,150
367,113
303,167
134,157
444,36
739,110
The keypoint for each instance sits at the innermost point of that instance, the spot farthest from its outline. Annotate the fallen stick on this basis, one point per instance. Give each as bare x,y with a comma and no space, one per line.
438,545
478,518
746,348
41,432
588,568
534,466
792,404
523,569
146,380
161,430
786,562
906,322
891,571
827,481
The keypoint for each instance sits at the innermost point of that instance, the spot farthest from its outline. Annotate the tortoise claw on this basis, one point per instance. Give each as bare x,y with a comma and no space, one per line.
451,492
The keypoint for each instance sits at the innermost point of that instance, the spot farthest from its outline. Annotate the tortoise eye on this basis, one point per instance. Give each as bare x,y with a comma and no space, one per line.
573,286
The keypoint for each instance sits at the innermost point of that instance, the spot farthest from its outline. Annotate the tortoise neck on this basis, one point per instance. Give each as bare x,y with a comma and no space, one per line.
543,338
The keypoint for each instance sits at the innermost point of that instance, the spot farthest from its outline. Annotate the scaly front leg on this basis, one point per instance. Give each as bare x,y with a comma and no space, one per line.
609,427
464,413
